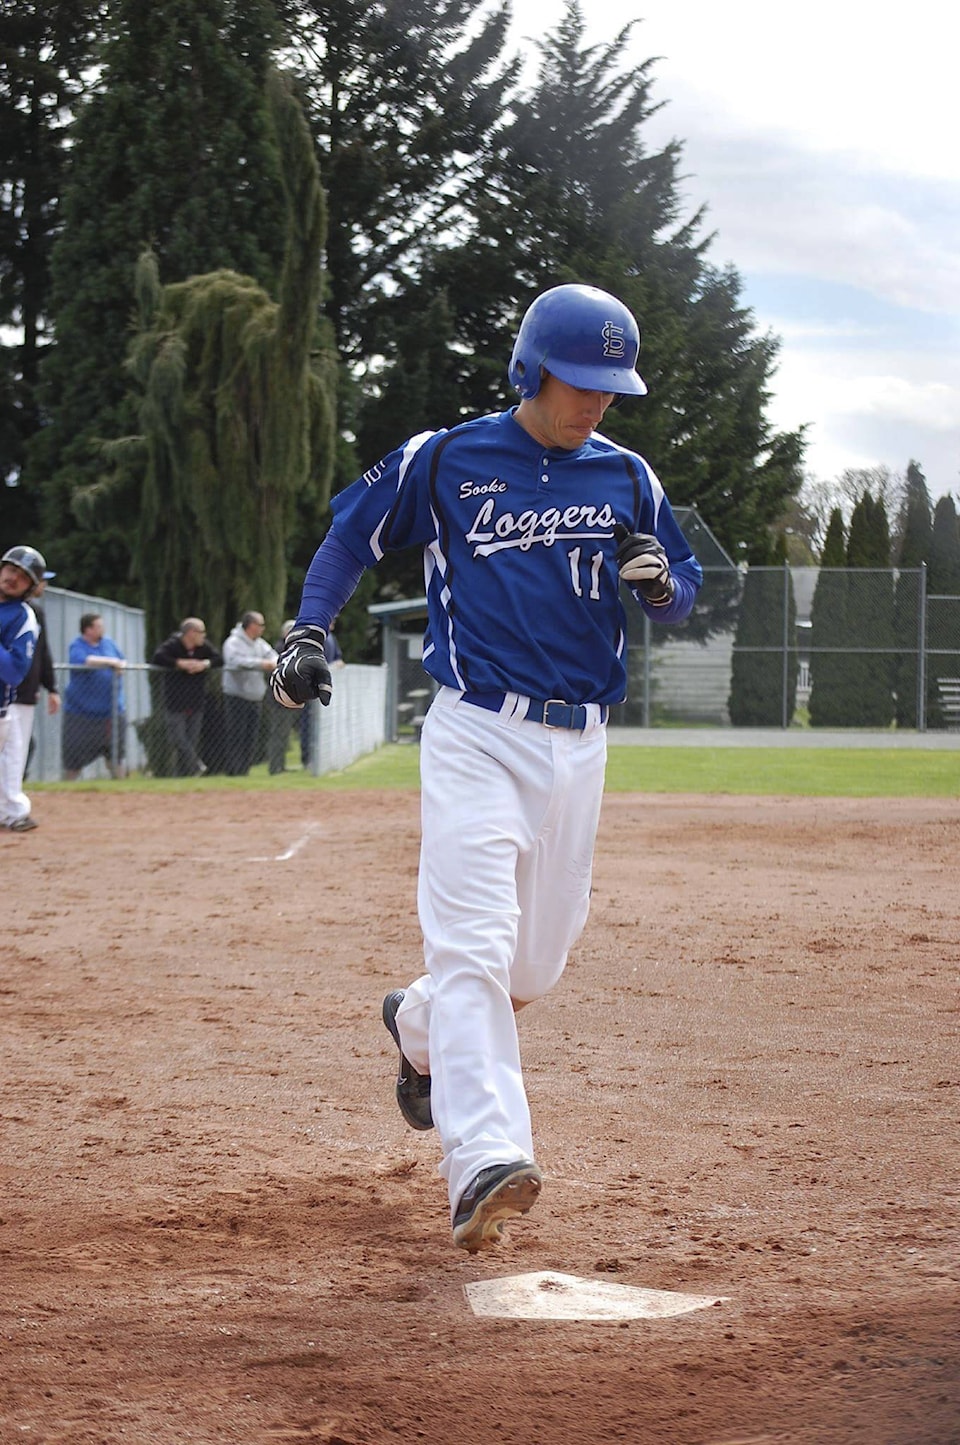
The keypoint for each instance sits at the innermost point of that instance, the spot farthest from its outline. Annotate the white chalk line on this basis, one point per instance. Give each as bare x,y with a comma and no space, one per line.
292,851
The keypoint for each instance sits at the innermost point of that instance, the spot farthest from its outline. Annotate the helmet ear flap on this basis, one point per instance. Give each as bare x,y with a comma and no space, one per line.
525,377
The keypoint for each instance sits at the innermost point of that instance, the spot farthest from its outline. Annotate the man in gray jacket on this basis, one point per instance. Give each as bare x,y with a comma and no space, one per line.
247,659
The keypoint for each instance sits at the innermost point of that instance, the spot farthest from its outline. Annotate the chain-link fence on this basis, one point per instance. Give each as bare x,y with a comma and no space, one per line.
764,647
795,646
118,721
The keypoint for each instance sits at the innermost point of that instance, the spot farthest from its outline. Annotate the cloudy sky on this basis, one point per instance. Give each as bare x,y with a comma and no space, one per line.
823,140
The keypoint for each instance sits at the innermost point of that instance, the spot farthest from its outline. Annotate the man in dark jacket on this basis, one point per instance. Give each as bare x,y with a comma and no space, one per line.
187,657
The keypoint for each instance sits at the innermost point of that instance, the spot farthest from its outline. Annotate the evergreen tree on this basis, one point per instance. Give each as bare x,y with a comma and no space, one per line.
869,618
943,610
236,421
401,94
914,527
945,549
569,191
828,631
763,684
173,149
916,533
45,47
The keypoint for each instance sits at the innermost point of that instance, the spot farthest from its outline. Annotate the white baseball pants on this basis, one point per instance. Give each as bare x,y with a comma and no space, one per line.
509,820
14,803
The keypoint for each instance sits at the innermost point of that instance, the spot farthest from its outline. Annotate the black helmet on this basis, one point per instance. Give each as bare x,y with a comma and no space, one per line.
29,560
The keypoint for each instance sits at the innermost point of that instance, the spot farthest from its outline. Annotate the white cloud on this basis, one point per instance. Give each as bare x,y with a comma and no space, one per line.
868,409
837,75
823,142
776,208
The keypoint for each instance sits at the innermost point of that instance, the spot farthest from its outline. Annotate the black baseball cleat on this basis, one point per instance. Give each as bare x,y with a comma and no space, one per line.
497,1194
23,825
413,1089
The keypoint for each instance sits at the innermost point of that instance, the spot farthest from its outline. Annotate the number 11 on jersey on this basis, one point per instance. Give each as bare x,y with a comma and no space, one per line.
596,562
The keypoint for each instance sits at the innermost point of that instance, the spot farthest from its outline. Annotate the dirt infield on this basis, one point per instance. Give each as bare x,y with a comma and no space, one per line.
214,1226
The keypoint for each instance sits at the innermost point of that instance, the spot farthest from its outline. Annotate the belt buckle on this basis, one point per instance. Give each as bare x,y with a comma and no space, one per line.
554,702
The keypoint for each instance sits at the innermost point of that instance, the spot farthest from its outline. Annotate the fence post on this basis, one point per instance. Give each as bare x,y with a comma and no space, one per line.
647,629
785,679
391,657
922,652
115,722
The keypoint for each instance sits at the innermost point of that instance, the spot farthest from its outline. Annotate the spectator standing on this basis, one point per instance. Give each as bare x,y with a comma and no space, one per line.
21,570
15,808
94,711
186,657
247,659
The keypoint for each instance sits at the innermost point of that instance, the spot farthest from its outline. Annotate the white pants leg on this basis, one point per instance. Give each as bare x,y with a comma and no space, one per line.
14,803
509,820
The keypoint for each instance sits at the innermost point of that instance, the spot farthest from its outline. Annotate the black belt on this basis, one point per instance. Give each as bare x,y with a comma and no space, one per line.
553,713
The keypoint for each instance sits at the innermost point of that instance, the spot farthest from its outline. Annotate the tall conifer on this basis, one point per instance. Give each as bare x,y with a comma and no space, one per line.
828,630
570,190
916,533
237,415
172,149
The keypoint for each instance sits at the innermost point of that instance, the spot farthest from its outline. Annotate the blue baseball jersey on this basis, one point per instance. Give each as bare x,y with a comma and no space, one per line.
19,630
522,584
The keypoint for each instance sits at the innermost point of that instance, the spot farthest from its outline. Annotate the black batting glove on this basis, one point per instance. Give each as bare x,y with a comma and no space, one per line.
643,565
302,671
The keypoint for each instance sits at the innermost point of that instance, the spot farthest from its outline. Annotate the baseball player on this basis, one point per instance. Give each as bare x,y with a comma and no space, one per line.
21,572
528,520
16,811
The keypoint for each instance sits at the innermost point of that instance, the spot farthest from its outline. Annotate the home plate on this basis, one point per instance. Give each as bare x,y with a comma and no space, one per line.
550,1296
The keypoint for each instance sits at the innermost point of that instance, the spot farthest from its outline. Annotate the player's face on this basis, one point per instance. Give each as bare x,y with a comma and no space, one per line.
561,415
14,582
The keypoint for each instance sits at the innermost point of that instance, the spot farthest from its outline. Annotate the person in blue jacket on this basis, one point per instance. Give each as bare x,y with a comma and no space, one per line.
94,711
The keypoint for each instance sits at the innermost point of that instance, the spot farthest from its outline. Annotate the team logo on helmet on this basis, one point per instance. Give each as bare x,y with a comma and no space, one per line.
614,341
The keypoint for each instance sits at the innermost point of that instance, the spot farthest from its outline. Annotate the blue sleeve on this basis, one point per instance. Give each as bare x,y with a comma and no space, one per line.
389,507
386,509
15,660
20,630
330,582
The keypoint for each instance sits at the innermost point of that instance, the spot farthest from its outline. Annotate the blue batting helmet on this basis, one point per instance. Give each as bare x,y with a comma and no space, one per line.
29,560
582,335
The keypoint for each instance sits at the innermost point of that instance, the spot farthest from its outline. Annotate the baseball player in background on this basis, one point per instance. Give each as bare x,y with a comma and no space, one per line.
21,573
528,520
16,811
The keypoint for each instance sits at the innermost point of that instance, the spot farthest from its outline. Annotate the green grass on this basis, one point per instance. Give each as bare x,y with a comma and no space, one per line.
796,772
799,772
